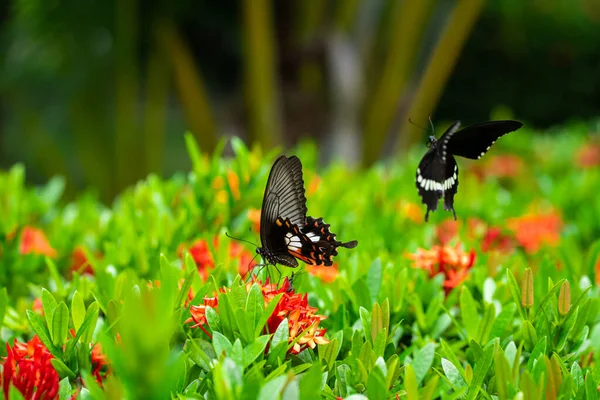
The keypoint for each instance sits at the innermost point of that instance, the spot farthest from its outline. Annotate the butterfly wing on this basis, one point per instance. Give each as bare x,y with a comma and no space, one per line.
450,184
430,180
319,245
475,140
284,197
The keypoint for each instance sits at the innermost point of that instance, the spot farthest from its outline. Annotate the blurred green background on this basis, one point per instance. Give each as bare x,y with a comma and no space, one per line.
101,92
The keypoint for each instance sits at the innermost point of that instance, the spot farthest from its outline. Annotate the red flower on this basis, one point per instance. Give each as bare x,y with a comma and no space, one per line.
100,368
494,239
502,166
301,317
34,241
80,262
533,231
203,257
38,307
447,230
452,262
326,274
28,368
588,155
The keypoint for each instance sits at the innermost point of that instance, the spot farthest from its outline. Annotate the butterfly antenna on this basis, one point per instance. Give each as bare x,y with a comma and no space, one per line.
248,269
241,240
431,123
418,126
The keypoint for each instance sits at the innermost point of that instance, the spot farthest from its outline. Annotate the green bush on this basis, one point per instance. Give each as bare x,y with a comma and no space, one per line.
143,299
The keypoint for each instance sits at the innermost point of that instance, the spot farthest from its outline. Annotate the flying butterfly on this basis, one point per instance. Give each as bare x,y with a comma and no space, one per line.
437,174
286,232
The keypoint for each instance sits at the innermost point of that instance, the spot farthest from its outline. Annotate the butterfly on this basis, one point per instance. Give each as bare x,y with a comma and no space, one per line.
437,174
287,234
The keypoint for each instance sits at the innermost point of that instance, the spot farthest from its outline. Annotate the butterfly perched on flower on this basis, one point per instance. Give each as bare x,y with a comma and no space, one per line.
437,174
287,234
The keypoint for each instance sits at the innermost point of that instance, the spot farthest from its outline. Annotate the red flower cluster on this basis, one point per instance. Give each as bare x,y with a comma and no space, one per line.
34,241
533,231
203,257
28,368
492,238
301,317
100,368
452,262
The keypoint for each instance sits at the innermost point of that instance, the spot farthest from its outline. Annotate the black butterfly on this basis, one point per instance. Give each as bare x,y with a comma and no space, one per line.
286,233
437,175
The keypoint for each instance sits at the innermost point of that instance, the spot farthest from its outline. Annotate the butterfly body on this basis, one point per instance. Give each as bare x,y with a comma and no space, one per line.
287,234
437,174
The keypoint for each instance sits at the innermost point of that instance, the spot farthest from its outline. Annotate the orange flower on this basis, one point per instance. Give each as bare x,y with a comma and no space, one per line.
80,262
38,307
100,367
326,274
533,231
28,368
502,166
452,262
254,217
411,211
34,241
447,230
301,317
234,184
588,156
314,184
201,255
204,260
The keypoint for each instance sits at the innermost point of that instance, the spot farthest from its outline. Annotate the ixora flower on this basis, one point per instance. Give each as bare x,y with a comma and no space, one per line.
203,257
533,231
452,262
302,320
326,274
80,262
28,368
588,156
34,241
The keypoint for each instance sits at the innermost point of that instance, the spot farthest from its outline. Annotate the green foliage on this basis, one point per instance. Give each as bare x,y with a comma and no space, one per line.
513,328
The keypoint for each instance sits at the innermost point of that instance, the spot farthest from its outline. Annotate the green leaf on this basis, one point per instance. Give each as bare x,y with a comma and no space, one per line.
453,374
185,288
60,324
62,369
374,279
423,361
254,350
565,330
273,388
87,333
486,323
376,387
49,304
468,311
221,344
549,296
266,314
237,352
77,310
591,387
577,374
503,374
410,383
503,321
311,383
282,334
513,286
244,325
39,326
255,306
3,305
365,318
65,391
539,350
212,318
481,370
88,325
451,356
